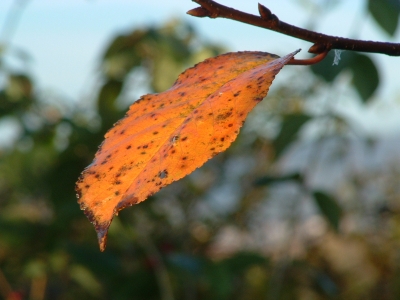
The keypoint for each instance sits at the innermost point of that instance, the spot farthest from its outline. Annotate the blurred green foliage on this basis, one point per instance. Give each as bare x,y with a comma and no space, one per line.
238,228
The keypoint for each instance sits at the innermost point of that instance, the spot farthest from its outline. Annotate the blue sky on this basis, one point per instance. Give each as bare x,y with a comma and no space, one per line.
66,37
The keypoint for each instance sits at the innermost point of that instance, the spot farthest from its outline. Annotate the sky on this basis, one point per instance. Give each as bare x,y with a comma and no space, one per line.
65,38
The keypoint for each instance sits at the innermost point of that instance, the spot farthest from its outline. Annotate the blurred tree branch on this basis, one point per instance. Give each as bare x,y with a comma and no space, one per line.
11,21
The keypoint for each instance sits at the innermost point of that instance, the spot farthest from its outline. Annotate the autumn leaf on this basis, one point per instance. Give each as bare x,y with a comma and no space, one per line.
164,137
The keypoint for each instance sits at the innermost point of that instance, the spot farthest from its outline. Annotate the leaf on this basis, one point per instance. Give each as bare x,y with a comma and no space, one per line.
327,70
329,208
385,13
365,73
290,127
268,180
166,136
365,76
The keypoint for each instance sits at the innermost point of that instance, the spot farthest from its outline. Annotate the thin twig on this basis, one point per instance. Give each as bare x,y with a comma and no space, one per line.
322,42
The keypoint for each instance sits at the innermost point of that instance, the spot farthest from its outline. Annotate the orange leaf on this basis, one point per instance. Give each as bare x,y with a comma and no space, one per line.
166,136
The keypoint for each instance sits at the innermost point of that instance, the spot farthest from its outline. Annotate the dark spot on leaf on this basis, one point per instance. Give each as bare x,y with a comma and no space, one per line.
118,182
118,174
128,147
212,149
87,186
222,139
163,174
230,125
116,193
184,138
143,152
122,132
224,116
236,94
184,158
145,146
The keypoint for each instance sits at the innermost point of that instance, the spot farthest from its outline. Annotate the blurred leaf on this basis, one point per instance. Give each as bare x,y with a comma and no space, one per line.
385,13
188,263
19,87
267,180
327,70
365,75
329,208
35,268
106,102
243,260
86,279
290,127
17,94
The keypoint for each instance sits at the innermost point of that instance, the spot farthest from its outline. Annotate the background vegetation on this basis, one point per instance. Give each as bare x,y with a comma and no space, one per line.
302,206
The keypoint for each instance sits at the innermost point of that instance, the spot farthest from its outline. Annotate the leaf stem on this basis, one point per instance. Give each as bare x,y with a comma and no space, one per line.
309,61
322,42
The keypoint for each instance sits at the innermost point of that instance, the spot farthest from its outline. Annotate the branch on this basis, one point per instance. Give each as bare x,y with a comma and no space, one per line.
322,43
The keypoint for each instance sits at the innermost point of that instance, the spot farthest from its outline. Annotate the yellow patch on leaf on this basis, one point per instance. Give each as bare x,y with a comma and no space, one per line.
164,137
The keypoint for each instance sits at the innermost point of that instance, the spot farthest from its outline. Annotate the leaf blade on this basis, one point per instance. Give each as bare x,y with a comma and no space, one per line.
290,127
329,208
386,14
166,136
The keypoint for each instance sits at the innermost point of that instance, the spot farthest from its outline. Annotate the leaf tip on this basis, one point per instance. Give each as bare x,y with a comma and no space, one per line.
102,231
100,227
102,239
